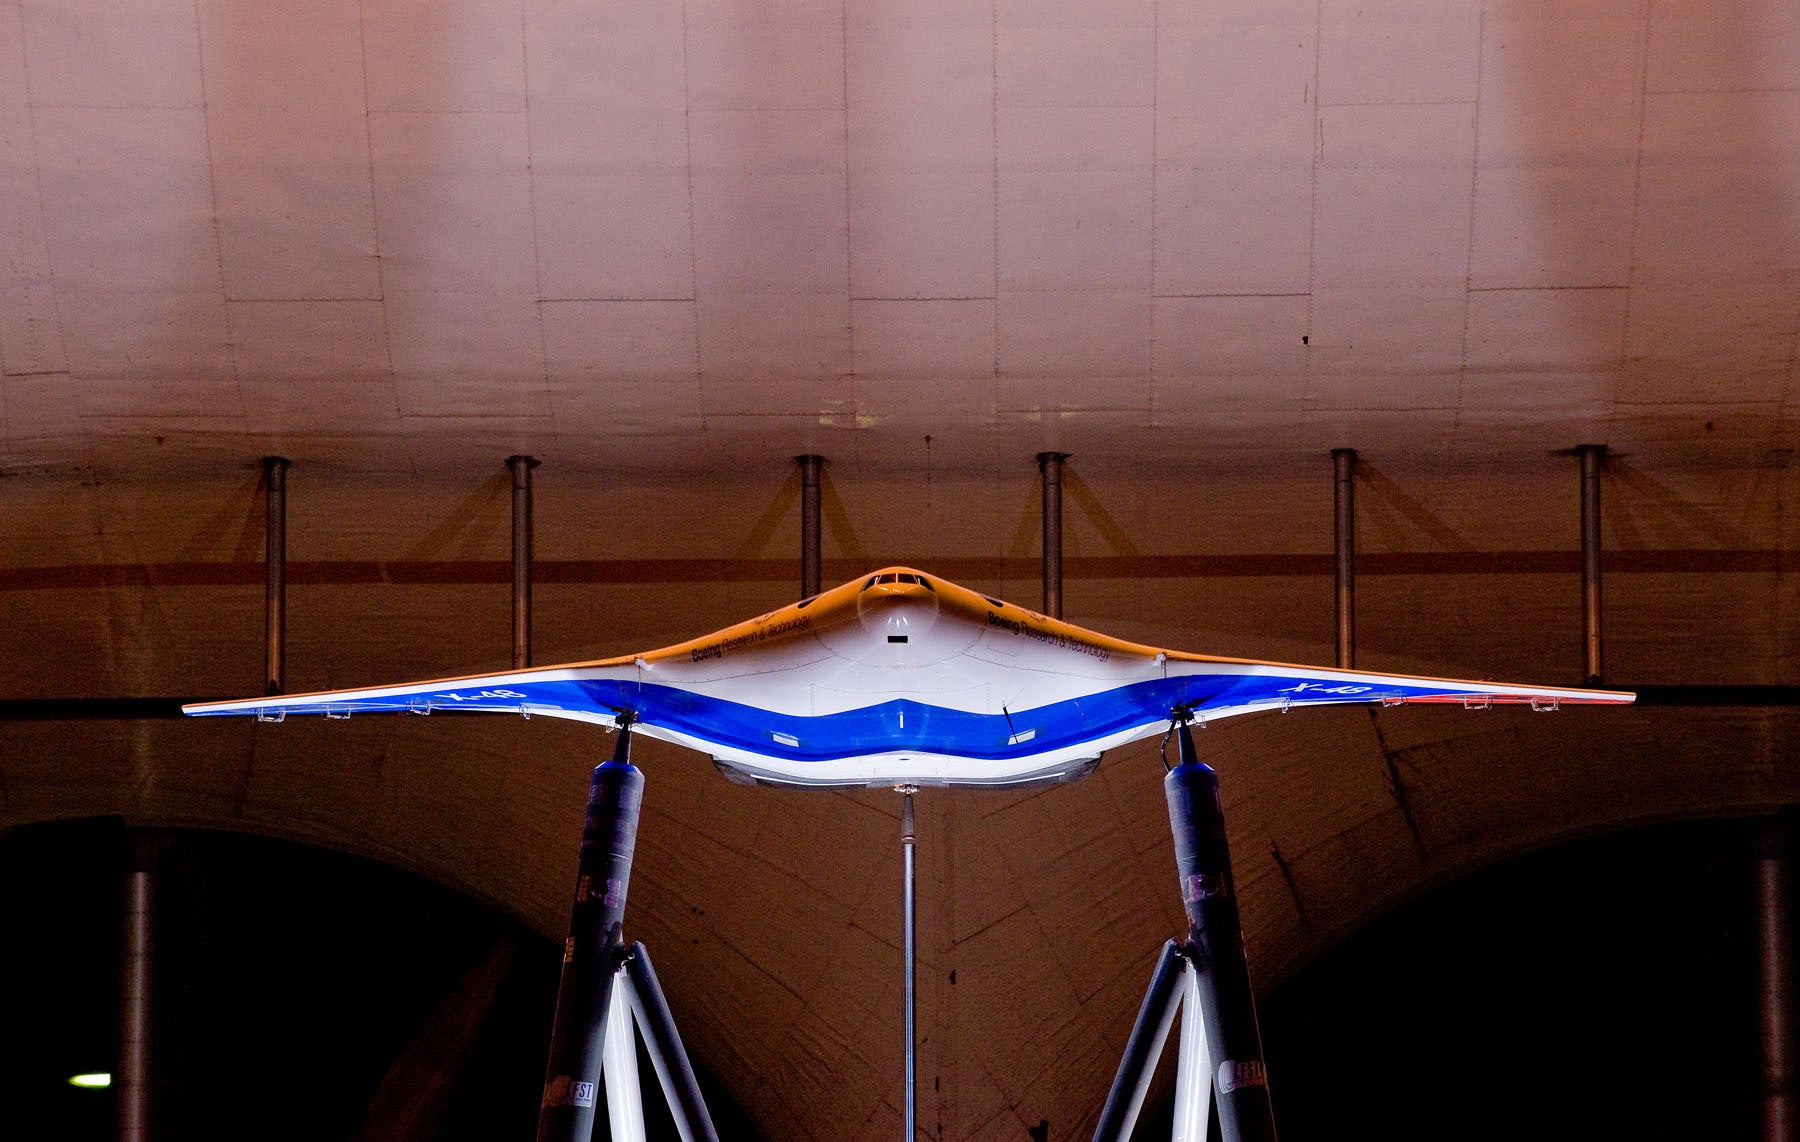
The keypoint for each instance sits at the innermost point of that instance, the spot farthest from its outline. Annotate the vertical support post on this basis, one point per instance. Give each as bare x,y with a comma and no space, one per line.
908,937
1593,456
811,528
1775,967
275,572
136,965
521,467
1148,1034
1215,948
1050,465
1343,466
593,949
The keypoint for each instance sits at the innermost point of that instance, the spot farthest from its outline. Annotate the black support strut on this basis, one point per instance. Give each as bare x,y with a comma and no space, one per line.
812,531
275,572
520,467
593,950
1215,949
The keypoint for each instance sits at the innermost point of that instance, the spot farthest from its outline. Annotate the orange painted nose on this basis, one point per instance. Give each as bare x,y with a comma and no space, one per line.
897,608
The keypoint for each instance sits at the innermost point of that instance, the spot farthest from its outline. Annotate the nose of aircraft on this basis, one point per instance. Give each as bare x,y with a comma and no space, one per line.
897,607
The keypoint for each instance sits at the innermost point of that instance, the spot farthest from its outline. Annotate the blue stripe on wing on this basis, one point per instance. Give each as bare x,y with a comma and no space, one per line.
885,727
907,725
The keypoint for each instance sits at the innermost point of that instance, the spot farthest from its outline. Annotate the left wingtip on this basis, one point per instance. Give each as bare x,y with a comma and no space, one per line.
1548,700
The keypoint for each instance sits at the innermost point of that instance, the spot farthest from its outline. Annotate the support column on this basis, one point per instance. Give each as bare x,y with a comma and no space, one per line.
811,526
135,966
521,467
1215,948
1050,465
1775,959
909,935
275,573
1343,466
1593,456
593,950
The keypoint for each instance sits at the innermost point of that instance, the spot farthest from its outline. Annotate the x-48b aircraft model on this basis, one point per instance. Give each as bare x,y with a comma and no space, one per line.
903,678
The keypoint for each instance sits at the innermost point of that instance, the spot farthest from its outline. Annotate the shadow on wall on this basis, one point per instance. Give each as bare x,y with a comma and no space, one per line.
297,994
1605,988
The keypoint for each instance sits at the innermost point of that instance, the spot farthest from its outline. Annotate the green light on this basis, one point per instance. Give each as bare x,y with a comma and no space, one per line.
96,1081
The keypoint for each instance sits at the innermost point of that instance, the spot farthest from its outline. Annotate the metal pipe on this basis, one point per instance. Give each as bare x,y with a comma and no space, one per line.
686,1105
134,992
1145,1046
1050,466
1775,965
275,572
521,558
1593,456
593,949
624,1094
1343,465
1215,948
1194,1074
811,529
907,876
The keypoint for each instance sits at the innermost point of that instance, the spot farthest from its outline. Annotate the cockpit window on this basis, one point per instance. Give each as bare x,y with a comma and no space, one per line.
900,577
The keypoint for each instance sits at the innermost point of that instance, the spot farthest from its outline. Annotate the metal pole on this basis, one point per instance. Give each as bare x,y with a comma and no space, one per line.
521,558
1215,948
1138,1064
1593,456
1343,465
624,1097
906,850
811,529
275,572
1050,466
1194,1073
1775,963
134,988
594,947
651,1006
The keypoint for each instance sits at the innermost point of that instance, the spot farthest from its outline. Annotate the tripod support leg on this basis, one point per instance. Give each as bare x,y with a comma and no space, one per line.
1144,1047
692,1121
624,1097
1194,1073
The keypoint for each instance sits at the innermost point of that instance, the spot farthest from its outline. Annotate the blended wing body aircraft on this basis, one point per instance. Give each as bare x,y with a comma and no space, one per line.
901,677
